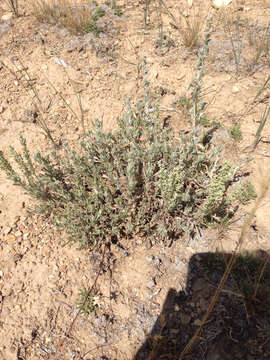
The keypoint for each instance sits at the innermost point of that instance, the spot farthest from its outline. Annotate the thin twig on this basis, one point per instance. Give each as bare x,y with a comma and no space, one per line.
261,126
261,274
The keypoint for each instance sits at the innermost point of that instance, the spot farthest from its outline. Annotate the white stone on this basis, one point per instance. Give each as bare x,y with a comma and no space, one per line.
7,17
44,67
221,3
235,89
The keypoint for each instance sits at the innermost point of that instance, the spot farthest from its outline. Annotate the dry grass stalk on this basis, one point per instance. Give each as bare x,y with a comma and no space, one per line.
77,92
14,6
264,118
192,28
68,13
23,77
259,40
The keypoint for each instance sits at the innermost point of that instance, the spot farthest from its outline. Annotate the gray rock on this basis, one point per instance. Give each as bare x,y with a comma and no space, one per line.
4,26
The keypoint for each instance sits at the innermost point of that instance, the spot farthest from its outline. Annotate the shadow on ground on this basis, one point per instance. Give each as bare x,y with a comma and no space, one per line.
237,328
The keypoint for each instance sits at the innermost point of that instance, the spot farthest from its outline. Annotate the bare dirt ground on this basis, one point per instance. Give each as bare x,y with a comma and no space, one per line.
39,278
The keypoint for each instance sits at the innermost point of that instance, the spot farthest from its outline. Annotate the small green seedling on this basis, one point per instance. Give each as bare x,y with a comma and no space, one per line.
87,302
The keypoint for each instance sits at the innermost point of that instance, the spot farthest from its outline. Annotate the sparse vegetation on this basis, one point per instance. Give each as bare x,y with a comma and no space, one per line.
259,40
230,264
76,18
234,34
243,192
135,180
244,35
143,181
207,122
22,76
93,28
245,271
87,301
117,9
184,103
191,30
189,27
236,132
99,12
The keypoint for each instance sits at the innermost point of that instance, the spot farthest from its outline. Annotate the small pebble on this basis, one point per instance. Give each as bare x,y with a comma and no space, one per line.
7,17
11,238
235,89
150,258
158,261
14,58
150,284
44,67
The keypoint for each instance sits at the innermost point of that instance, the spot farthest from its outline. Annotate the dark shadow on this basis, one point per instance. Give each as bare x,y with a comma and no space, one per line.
237,328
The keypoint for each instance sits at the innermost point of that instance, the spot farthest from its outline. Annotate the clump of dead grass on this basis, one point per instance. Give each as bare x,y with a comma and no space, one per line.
71,14
190,29
190,25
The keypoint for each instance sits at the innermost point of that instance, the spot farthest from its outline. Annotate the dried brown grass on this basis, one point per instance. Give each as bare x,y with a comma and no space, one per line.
191,26
69,13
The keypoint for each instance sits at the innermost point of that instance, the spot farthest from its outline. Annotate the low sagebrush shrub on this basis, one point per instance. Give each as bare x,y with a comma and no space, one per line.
140,179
